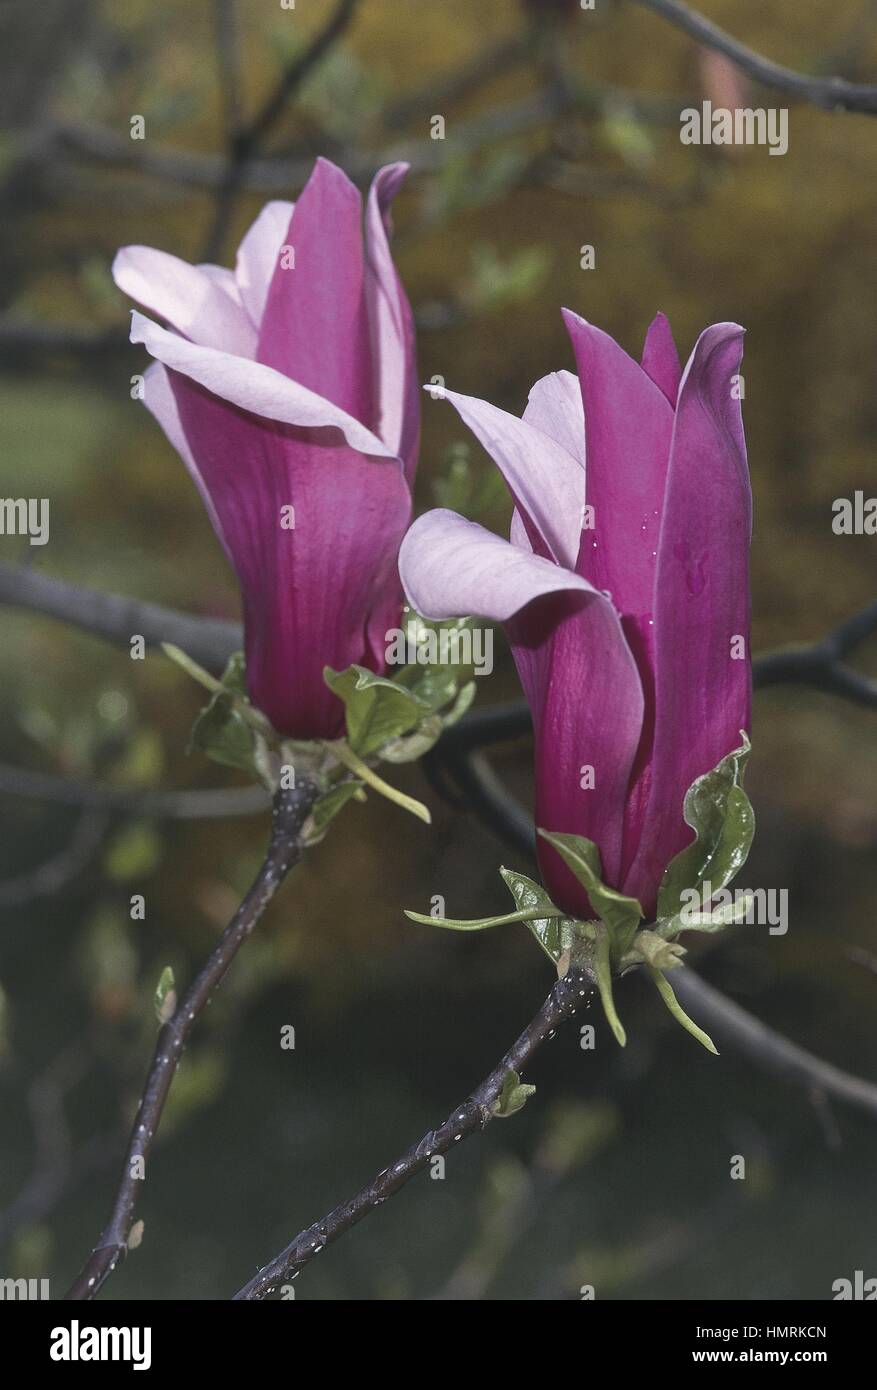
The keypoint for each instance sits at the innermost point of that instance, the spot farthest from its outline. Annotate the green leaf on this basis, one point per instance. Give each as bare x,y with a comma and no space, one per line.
165,999
714,920
327,806
512,1098
346,756
648,946
603,973
719,812
554,932
377,710
621,914
224,735
474,923
438,671
665,989
229,729
465,696
412,746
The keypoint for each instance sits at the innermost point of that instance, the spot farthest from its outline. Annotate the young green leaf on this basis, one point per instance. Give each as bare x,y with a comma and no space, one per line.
377,710
512,1098
719,812
621,914
665,989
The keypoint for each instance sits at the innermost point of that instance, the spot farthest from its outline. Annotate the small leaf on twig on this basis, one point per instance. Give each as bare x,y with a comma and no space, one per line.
165,996
512,1098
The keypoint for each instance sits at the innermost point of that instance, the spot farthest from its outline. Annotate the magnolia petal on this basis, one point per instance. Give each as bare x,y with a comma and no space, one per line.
187,296
628,424
391,326
702,662
315,326
160,401
258,256
554,406
585,694
545,481
660,358
310,578
451,567
252,386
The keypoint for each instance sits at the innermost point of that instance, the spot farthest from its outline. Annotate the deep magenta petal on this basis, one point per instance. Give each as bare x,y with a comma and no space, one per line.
315,327
660,358
702,661
309,591
628,424
584,690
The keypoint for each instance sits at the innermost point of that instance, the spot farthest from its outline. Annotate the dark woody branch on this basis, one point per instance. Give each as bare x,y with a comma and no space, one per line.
831,93
291,809
567,995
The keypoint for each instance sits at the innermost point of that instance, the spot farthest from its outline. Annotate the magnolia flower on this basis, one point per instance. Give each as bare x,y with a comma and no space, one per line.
288,388
625,599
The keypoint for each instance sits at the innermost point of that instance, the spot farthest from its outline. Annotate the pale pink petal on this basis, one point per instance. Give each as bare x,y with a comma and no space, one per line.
451,567
554,406
186,296
391,326
258,256
546,482
252,386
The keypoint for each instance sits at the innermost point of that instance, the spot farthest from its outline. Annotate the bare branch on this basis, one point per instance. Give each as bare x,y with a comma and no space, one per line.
246,140
291,809
55,873
726,1020
471,1117
209,641
206,803
831,93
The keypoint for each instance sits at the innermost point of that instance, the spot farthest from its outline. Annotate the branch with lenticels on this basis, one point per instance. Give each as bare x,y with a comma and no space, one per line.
566,997
291,809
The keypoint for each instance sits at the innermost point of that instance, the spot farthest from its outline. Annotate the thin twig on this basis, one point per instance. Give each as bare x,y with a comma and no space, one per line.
831,93
728,1021
245,140
469,1118
55,873
291,809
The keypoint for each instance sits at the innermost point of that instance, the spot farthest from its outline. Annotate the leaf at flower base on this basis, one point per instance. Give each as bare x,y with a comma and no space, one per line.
327,806
554,933
719,812
465,696
222,732
648,946
377,710
665,989
602,965
437,673
713,920
409,747
512,1098
469,924
621,914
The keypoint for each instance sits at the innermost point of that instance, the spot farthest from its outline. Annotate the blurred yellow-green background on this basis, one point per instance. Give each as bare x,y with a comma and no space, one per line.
561,132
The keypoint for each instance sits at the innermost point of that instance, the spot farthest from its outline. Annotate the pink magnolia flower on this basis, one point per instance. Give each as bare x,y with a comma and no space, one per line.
625,600
288,388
